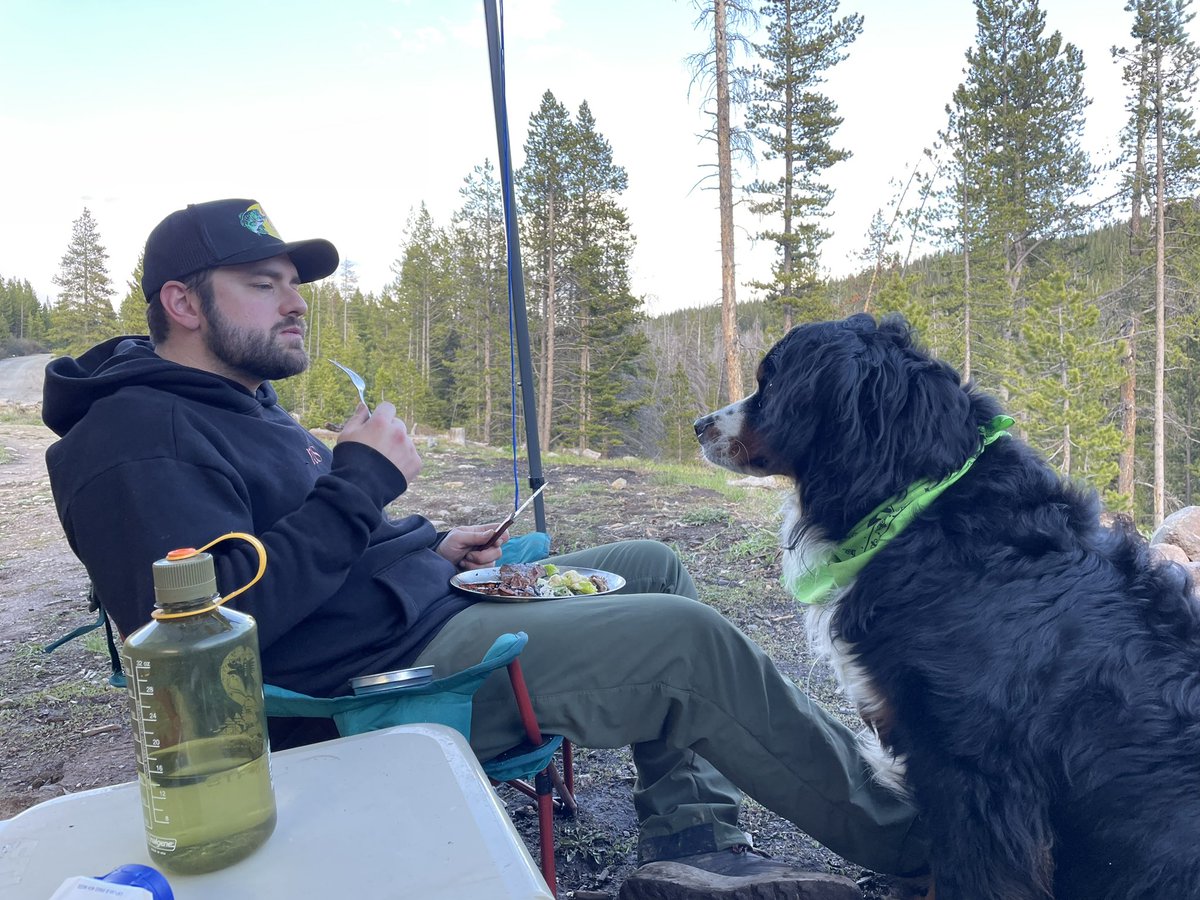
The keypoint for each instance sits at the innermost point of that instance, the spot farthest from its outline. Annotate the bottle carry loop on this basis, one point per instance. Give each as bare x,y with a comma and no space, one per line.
189,552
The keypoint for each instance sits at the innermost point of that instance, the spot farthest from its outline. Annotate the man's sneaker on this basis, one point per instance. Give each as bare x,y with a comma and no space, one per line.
739,873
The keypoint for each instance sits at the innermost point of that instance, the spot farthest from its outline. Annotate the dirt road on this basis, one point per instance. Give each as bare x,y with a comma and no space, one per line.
21,378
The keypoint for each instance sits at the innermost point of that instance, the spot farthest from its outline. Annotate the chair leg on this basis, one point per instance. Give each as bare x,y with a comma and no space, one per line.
547,780
545,804
568,755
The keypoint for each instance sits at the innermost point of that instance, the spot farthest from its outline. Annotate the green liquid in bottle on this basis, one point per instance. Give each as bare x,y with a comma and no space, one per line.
208,809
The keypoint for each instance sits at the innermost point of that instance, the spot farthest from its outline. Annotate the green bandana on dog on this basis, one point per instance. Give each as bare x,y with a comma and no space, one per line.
880,526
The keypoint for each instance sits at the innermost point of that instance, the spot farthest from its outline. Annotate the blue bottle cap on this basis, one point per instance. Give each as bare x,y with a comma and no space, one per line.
146,877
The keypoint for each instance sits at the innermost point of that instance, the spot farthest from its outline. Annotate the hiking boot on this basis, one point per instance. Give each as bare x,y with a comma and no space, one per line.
739,873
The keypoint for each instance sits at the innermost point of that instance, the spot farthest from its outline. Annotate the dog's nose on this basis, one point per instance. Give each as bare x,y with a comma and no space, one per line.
702,424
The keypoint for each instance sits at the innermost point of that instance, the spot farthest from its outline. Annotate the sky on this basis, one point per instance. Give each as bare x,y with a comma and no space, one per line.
342,118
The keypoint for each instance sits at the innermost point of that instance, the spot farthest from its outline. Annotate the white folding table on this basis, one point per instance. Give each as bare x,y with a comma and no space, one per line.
399,813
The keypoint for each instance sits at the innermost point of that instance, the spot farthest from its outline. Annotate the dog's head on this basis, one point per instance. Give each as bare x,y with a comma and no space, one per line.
854,412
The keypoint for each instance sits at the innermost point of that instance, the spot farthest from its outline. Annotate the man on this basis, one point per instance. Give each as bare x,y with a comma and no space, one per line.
172,441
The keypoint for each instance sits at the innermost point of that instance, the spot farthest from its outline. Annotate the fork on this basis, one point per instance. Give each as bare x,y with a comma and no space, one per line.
356,380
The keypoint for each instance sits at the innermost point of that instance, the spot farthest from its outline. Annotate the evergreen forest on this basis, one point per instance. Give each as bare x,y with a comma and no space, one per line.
1067,286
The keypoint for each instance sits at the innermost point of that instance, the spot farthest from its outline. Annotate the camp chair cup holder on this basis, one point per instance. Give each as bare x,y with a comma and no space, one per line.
529,767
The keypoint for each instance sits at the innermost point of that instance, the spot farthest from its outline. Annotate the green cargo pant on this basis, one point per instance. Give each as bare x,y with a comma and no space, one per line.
705,711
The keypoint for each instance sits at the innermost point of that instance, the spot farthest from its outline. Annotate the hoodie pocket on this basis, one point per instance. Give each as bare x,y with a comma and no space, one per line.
417,583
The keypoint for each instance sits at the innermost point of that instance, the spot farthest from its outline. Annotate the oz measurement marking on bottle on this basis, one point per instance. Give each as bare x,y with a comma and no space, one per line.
144,736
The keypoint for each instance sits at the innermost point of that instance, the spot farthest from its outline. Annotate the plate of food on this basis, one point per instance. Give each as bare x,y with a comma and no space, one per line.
524,582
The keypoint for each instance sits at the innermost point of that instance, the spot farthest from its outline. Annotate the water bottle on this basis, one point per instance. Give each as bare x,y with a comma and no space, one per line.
200,729
129,882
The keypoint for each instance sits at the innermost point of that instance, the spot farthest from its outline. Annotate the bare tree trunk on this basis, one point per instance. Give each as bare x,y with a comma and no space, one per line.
789,168
1125,470
585,363
1160,302
549,331
1187,456
426,339
729,330
488,387
1063,380
966,373
1138,184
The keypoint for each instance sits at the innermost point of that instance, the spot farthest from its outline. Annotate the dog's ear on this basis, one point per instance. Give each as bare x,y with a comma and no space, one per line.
809,397
862,411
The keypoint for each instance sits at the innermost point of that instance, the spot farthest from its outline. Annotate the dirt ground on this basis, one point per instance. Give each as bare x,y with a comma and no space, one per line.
64,729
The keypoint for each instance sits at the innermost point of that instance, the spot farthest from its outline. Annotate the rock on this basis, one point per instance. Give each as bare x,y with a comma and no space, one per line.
1169,552
619,484
674,881
1193,569
458,436
1181,528
589,454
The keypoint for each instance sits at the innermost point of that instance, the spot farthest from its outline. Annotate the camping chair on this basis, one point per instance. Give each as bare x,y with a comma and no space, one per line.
447,701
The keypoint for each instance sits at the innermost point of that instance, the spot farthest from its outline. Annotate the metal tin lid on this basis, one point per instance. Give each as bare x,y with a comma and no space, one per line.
387,681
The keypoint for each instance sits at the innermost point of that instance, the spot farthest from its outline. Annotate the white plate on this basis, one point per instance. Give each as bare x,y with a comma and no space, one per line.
464,581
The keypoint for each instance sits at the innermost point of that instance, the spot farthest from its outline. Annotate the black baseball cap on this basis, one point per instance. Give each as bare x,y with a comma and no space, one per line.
225,233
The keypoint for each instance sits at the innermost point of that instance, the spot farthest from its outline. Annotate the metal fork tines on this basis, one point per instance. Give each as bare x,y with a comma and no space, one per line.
355,379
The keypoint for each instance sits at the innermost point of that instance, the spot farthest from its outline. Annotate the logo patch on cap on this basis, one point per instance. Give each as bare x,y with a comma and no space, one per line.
254,219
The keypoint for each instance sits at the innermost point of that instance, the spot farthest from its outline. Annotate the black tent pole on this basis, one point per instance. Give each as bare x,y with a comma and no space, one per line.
516,280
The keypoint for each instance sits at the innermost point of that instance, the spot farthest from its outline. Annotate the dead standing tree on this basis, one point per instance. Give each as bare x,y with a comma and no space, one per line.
715,64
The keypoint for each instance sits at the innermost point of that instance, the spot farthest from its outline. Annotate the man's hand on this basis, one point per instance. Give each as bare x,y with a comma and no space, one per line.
382,431
459,546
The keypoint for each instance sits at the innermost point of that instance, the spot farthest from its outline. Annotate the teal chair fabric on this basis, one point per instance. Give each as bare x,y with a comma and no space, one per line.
446,701
526,548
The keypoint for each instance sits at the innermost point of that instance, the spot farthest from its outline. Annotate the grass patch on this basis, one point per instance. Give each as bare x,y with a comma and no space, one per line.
706,515
759,546
15,415
97,642
675,474
576,839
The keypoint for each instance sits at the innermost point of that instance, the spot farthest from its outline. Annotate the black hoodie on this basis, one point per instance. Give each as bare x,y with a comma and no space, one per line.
155,456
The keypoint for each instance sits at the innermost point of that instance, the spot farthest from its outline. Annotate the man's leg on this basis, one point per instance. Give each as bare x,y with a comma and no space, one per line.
670,673
683,804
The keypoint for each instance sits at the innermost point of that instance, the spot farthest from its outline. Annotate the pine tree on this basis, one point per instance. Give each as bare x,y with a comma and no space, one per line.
1015,127
1069,377
602,310
22,318
84,313
131,314
796,122
1162,142
543,205
679,412
482,367
1182,385
424,290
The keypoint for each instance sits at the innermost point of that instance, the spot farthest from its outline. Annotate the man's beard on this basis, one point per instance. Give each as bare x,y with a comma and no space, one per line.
253,353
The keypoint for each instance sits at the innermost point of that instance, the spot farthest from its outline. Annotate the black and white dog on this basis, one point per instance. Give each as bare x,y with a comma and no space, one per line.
1032,675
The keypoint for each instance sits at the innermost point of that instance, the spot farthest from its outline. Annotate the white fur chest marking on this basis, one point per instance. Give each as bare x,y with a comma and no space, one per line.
852,678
